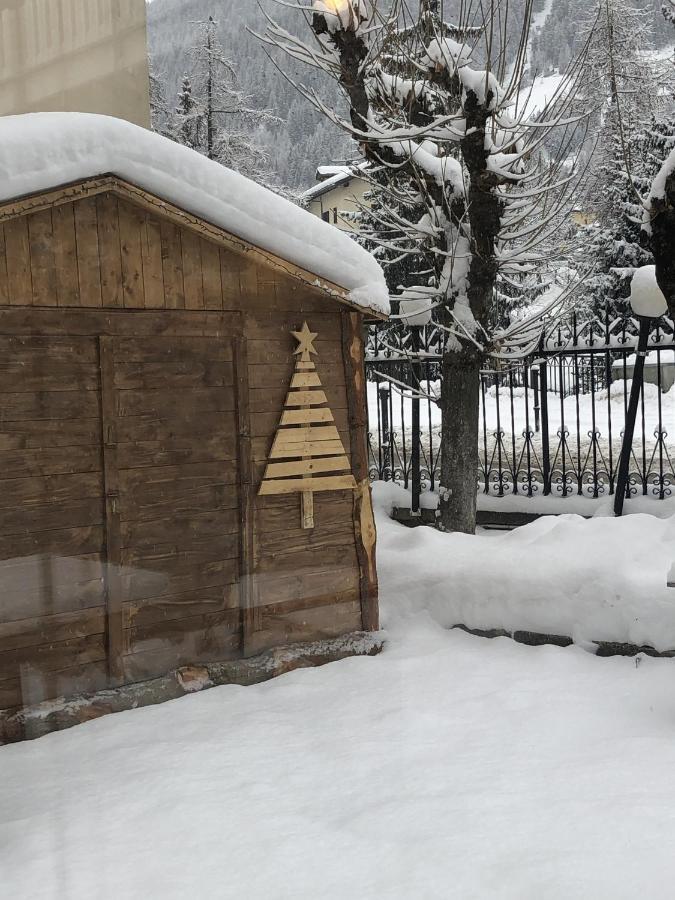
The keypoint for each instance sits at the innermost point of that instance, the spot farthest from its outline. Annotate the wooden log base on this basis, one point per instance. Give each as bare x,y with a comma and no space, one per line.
57,715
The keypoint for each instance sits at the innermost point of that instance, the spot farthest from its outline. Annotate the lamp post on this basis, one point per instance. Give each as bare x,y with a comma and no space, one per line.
415,314
648,304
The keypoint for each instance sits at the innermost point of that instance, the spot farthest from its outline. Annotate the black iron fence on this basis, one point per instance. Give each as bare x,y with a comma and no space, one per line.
550,424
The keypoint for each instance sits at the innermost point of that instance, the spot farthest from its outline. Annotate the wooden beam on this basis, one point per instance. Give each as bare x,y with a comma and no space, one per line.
294,436
305,379
315,485
306,416
113,539
364,520
305,398
124,323
308,466
247,541
308,448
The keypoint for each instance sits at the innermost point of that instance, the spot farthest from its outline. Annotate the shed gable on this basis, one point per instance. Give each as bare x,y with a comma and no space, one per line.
106,252
106,243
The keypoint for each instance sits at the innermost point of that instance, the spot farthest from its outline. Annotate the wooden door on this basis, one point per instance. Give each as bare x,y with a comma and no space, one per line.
52,535
173,528
119,509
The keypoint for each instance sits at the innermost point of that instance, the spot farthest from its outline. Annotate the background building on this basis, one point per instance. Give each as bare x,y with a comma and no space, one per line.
339,193
74,56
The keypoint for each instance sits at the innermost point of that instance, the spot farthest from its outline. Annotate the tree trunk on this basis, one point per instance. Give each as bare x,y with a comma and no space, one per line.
459,457
663,240
209,92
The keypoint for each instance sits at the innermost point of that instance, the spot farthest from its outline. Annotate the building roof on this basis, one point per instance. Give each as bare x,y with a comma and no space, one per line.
43,151
331,177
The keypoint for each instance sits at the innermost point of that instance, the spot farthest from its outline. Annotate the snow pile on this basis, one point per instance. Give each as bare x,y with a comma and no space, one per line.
45,150
654,358
331,177
600,579
446,53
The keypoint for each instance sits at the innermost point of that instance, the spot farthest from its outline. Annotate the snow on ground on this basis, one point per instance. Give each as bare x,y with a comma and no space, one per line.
449,767
45,150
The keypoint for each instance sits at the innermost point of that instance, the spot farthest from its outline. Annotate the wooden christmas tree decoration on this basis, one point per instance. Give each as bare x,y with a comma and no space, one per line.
314,457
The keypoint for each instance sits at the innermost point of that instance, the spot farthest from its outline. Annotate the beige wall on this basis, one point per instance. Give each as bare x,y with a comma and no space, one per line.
344,198
74,56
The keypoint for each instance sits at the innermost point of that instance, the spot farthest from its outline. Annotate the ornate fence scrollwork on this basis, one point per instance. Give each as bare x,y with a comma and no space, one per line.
551,423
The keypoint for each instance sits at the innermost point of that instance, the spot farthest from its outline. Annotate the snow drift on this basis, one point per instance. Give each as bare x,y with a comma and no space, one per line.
599,579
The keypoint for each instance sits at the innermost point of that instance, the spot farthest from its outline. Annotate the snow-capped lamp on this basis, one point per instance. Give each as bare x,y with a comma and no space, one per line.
343,14
648,304
647,300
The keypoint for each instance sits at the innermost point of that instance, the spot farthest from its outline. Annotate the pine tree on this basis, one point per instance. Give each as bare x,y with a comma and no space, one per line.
617,242
621,87
186,126
159,108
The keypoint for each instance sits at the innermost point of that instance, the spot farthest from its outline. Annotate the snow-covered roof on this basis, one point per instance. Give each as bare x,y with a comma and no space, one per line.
42,151
329,171
341,175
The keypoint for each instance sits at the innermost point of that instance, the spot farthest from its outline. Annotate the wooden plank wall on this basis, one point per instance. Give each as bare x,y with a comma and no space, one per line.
120,449
52,535
178,502
106,252
307,580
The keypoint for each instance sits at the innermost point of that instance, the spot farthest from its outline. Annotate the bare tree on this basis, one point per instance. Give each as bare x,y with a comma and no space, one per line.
213,114
462,145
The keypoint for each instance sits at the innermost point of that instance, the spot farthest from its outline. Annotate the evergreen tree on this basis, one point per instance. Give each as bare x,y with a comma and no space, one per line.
616,243
186,125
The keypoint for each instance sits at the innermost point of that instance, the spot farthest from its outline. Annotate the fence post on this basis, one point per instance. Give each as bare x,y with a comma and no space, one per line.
537,410
415,450
631,414
545,449
383,399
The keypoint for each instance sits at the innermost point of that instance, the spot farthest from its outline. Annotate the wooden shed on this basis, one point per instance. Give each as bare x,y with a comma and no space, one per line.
183,466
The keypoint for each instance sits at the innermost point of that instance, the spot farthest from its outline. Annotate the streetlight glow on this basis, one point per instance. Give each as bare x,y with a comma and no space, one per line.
337,6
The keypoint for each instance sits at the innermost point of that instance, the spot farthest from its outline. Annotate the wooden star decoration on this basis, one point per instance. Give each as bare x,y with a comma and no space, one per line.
305,339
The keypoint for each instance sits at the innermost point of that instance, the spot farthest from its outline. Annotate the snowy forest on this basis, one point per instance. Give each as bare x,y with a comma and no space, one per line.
302,139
